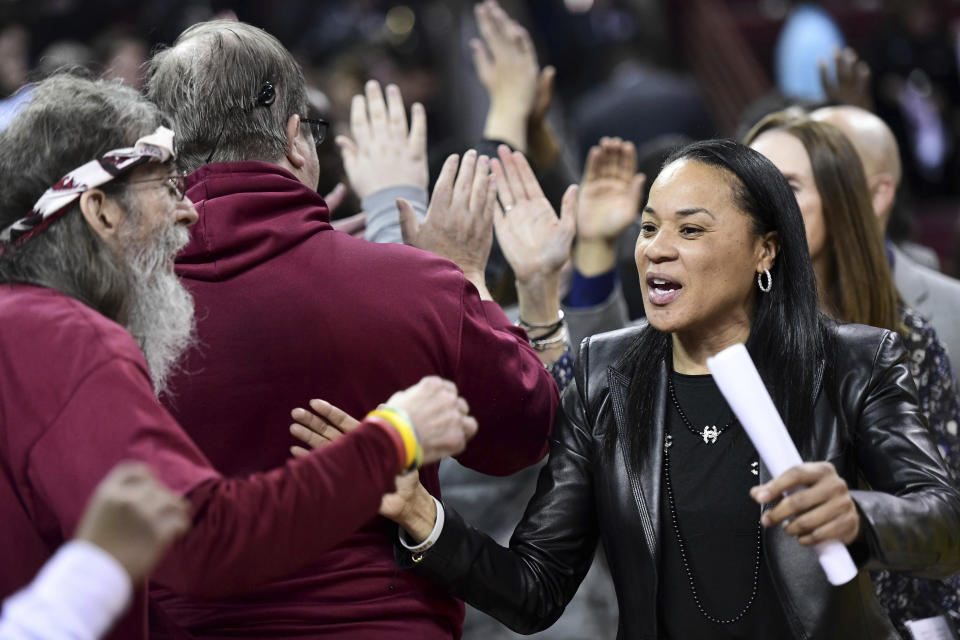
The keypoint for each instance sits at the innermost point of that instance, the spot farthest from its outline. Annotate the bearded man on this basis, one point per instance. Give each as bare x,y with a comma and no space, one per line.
91,218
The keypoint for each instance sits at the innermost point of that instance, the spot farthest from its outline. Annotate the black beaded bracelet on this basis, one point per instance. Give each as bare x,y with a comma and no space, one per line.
552,326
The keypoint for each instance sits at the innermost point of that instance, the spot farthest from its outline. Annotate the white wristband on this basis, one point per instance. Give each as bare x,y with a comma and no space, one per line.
431,539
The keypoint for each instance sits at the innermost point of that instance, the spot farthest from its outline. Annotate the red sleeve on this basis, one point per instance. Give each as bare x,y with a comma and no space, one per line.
250,530
245,530
517,395
111,416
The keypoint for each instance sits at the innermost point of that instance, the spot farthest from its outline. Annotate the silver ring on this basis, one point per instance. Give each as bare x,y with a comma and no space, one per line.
507,208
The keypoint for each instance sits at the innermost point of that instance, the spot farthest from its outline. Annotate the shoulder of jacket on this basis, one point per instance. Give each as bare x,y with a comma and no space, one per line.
607,349
862,346
602,355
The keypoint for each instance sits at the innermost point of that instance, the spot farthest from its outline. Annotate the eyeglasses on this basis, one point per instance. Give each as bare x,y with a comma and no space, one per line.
177,184
318,127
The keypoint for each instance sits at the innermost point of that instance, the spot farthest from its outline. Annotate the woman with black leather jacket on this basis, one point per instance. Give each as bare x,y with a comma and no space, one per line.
647,457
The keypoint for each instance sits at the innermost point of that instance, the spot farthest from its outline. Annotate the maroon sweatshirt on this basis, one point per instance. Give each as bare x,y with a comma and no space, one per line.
288,310
76,399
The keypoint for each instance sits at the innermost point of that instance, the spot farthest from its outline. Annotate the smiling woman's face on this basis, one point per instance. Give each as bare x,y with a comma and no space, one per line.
697,254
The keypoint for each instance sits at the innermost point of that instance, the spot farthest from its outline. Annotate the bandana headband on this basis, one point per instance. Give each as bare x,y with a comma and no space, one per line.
157,147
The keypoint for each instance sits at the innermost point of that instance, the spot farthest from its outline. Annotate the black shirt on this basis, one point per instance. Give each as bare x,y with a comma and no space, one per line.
718,522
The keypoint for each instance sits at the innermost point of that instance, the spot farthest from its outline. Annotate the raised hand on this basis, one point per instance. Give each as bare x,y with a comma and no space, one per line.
506,63
852,82
610,194
134,518
543,148
543,96
534,240
383,152
459,223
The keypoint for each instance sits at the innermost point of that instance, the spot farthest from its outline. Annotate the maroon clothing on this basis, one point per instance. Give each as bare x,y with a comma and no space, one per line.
288,310
75,399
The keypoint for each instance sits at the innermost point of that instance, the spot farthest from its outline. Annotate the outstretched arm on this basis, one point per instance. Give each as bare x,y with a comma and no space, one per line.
527,585
536,243
506,64
278,521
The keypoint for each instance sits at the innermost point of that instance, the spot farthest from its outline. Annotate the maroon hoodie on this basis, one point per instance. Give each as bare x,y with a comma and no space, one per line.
288,310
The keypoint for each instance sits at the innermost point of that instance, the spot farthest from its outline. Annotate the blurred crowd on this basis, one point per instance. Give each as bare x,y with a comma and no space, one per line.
636,69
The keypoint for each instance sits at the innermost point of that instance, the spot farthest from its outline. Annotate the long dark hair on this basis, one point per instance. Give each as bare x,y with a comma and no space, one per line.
787,338
862,289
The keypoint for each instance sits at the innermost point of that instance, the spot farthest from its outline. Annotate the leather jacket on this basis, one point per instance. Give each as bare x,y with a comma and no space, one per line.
910,513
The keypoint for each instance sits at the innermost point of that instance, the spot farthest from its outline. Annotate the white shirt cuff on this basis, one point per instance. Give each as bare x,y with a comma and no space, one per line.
431,539
78,593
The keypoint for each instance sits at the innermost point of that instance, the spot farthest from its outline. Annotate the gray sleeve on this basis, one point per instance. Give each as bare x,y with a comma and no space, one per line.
383,222
609,315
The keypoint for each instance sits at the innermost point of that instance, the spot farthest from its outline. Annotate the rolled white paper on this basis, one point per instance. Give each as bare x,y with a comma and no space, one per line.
740,384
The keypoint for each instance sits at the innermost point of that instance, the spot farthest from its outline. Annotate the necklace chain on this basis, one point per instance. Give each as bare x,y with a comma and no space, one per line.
709,433
683,548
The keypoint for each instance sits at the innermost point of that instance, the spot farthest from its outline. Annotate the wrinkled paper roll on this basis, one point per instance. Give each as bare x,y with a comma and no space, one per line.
740,384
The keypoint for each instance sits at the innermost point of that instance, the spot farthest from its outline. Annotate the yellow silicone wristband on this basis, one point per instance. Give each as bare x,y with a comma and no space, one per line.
405,429
404,419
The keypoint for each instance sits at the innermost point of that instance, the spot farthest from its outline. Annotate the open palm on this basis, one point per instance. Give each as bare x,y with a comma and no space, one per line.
534,240
610,191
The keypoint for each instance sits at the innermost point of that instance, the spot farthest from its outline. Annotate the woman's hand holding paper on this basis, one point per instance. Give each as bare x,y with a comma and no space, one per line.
818,508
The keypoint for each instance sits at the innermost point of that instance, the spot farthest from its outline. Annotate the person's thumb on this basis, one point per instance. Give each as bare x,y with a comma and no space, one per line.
409,226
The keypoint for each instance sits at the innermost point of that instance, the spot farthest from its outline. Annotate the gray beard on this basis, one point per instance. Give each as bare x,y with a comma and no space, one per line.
160,315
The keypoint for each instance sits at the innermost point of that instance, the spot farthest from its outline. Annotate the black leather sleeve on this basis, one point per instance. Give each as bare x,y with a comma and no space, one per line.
911,518
528,585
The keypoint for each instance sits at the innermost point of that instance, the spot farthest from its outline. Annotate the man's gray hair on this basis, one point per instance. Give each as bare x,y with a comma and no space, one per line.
208,83
69,121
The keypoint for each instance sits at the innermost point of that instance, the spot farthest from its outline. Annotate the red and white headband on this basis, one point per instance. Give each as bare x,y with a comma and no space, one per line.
156,147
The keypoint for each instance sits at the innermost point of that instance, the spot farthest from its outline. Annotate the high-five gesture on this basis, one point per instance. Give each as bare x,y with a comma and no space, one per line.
537,244
506,63
534,240
458,225
383,152
610,194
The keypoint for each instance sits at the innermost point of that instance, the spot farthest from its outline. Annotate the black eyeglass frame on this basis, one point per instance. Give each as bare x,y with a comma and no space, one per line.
318,129
177,182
